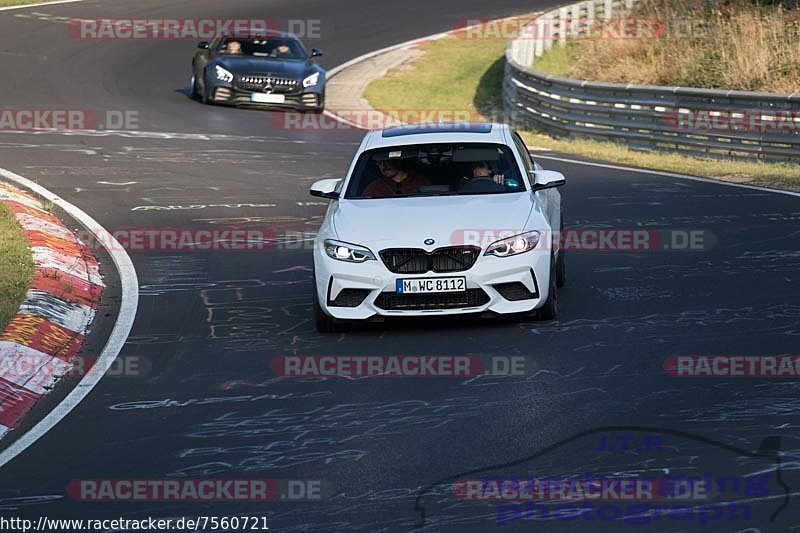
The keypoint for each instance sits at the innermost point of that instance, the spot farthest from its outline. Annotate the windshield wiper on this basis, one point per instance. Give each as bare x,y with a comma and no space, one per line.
443,193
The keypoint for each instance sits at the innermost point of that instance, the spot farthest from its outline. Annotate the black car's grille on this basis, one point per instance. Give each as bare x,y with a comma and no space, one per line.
391,301
417,261
514,291
349,298
260,83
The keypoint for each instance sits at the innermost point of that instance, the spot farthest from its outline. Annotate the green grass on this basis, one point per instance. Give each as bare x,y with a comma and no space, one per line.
16,265
558,60
444,81
467,74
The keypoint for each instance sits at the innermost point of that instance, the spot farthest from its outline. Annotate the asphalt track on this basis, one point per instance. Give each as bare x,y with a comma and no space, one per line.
210,323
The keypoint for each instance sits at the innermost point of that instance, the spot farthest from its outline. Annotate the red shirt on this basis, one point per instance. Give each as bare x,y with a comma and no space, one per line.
384,186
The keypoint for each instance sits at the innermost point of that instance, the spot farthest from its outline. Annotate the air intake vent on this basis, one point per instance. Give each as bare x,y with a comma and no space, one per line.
391,301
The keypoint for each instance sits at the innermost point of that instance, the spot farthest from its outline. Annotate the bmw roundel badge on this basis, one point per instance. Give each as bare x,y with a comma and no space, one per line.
429,242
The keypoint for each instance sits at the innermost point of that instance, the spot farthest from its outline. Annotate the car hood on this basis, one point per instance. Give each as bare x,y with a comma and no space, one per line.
408,222
265,65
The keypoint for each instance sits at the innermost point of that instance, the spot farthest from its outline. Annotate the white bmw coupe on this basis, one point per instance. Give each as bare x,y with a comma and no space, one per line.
439,220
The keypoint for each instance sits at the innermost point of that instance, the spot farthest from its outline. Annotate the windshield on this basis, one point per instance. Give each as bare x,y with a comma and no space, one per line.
278,47
435,170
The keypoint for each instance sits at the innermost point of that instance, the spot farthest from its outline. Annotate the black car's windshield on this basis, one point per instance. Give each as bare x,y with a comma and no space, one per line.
435,170
277,47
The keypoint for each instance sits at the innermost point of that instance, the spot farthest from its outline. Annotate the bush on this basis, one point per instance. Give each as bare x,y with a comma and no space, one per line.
741,44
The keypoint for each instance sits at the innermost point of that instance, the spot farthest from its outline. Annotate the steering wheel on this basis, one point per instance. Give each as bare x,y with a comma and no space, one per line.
482,184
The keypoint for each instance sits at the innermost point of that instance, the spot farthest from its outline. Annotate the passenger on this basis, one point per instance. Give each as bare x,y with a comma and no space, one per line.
234,48
394,180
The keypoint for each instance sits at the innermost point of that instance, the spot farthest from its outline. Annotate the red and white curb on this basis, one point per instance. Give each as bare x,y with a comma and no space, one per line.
39,343
126,315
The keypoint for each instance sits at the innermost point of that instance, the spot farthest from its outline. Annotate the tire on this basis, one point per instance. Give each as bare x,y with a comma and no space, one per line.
195,94
549,311
561,262
561,270
204,93
324,322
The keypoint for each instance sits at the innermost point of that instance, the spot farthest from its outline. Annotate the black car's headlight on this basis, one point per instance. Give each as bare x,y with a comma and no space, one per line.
344,251
224,74
311,80
516,244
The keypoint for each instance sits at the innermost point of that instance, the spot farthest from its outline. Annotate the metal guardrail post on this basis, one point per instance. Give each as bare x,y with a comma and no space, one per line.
608,9
548,26
563,14
538,38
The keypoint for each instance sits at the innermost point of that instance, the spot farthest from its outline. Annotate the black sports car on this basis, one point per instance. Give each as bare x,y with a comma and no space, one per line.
273,70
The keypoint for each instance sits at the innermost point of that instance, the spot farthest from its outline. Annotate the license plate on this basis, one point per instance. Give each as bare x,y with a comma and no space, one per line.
264,98
430,285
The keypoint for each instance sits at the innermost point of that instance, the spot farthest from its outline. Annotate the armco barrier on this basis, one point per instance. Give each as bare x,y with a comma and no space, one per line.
700,122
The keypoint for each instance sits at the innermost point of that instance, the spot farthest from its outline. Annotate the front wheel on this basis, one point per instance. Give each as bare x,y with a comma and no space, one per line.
561,263
324,322
193,87
561,269
549,311
204,97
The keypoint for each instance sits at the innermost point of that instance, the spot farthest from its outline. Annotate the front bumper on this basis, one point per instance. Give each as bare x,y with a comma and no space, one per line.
231,95
359,291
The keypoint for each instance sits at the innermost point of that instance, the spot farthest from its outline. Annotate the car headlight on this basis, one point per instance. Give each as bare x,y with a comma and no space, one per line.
223,74
517,244
344,251
312,80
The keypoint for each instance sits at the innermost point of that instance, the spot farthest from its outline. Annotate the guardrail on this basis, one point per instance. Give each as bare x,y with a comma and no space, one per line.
700,122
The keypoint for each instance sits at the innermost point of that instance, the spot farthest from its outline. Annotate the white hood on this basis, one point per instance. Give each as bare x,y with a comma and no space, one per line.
408,222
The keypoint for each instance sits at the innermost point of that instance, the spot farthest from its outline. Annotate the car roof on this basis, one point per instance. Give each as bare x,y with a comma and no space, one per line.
484,132
268,33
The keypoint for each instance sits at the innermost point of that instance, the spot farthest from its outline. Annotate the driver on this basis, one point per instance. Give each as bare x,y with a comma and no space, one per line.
482,169
394,180
281,50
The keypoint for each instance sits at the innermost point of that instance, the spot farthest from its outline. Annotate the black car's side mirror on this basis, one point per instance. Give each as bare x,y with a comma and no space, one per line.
316,52
202,44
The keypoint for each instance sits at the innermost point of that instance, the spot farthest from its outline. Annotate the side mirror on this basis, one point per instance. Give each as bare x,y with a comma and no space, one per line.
326,188
547,179
202,44
316,52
